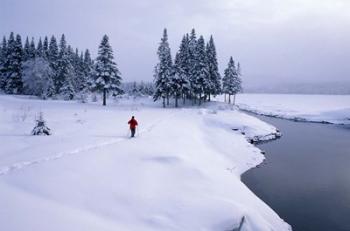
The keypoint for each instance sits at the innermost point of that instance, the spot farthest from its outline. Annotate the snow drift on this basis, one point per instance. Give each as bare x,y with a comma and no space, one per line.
181,172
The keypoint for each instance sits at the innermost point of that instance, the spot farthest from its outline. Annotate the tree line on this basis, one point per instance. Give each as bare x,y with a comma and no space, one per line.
53,69
194,74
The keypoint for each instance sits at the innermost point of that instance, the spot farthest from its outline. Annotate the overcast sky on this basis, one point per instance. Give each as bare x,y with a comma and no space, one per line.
275,41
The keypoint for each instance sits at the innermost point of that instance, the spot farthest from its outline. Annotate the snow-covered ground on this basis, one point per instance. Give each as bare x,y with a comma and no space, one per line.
181,172
314,108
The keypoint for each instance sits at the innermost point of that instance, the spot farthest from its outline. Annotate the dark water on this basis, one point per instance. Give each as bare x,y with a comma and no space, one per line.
306,177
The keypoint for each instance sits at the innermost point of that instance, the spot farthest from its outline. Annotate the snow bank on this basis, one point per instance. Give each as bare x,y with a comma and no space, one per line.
314,108
181,172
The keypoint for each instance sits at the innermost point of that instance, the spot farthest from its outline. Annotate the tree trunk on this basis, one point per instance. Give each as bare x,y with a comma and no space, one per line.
229,98
104,96
167,100
200,99
163,102
184,99
234,99
176,99
225,97
209,97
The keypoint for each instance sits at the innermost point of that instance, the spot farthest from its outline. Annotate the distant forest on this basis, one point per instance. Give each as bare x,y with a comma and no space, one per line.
331,88
51,68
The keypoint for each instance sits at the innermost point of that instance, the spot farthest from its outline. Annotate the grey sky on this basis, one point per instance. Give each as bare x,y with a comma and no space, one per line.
275,40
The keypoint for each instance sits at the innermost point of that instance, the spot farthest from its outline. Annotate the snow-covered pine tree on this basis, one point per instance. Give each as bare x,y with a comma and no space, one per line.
26,49
40,127
53,58
3,58
13,65
67,89
201,73
78,64
192,44
231,80
46,47
176,81
163,70
213,69
65,72
182,70
40,49
107,77
32,51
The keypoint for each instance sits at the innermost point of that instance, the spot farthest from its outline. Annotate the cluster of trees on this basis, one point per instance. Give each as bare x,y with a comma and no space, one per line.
53,69
138,89
194,74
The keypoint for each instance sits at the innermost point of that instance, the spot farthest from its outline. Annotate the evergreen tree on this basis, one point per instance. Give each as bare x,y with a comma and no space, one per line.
213,69
182,69
192,62
163,70
67,89
46,47
40,127
201,72
231,81
3,58
13,65
64,72
177,80
26,50
40,49
32,51
53,60
106,77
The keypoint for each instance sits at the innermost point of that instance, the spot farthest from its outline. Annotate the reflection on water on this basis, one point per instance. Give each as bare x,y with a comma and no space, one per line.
306,179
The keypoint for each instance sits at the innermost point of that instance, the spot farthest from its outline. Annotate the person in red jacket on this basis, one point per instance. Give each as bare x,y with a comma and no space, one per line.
133,124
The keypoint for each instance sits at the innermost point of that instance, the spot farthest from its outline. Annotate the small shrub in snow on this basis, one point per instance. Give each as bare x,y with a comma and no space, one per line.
40,127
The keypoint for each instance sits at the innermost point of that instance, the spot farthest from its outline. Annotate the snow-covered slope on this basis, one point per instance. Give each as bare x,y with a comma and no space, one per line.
181,172
314,108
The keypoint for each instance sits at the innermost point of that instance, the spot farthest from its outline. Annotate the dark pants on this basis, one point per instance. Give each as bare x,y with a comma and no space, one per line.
132,131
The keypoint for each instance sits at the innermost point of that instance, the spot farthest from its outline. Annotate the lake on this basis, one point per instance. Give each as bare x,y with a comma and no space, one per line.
306,175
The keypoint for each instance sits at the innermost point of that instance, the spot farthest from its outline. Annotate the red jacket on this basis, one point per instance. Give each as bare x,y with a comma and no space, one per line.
133,123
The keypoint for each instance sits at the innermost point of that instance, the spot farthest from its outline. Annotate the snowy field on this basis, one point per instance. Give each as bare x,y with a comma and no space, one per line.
314,108
181,172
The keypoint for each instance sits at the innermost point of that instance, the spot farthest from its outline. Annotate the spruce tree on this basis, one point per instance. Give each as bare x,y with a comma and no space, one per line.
163,70
26,50
3,58
13,65
231,81
107,77
213,69
32,51
201,73
53,60
182,68
41,127
40,49
46,47
192,44
64,72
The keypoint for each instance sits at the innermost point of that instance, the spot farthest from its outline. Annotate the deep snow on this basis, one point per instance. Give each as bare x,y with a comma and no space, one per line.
314,108
181,172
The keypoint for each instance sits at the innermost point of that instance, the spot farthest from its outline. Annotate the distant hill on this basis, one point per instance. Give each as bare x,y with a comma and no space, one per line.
333,88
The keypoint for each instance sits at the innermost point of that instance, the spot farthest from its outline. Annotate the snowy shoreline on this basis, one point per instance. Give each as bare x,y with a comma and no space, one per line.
182,172
327,109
